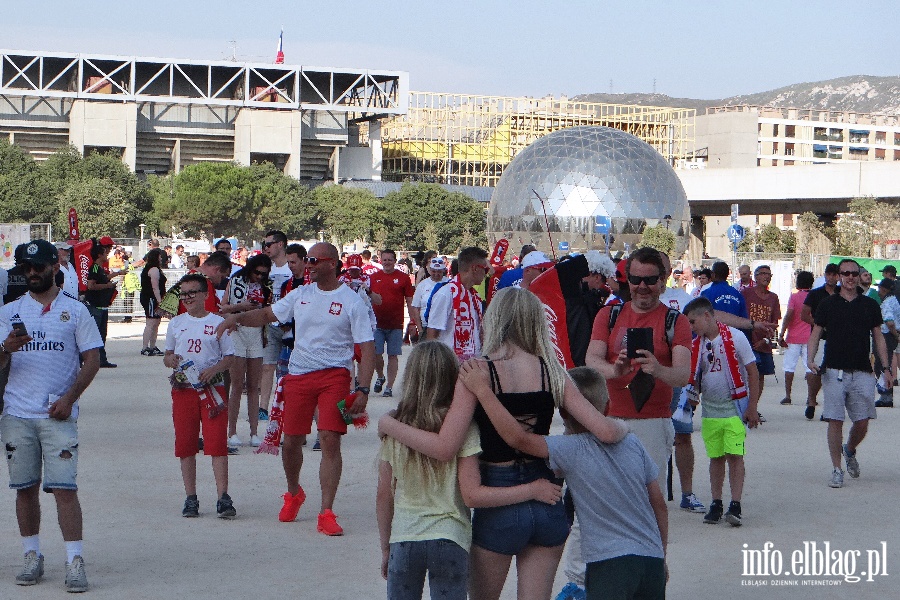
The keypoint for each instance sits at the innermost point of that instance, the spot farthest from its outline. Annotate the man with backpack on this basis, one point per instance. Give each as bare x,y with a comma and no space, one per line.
640,385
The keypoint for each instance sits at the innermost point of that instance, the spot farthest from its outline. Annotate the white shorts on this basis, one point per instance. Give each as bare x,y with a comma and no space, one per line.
657,436
248,342
792,354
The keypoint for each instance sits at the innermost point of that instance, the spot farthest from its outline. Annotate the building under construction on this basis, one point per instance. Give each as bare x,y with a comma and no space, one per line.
468,140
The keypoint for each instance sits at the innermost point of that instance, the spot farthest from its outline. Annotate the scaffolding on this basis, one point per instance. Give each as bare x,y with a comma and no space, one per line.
468,140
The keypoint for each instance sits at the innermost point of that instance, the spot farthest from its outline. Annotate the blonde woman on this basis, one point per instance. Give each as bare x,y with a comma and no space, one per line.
531,384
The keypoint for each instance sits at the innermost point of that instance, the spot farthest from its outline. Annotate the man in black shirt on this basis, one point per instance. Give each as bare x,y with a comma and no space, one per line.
815,296
849,384
100,291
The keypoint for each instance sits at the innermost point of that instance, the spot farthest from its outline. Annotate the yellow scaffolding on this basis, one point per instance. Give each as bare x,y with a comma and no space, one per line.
468,140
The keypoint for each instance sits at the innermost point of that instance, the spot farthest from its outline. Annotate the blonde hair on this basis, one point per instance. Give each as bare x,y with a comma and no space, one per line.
428,383
517,317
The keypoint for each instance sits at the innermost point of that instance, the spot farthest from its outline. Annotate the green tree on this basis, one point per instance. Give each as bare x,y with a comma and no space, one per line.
659,237
286,204
770,238
430,236
349,214
20,186
409,210
102,207
866,222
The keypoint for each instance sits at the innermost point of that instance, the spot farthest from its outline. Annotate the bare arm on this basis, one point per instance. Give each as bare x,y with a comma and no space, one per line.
364,376
785,325
806,315
596,359
384,510
744,322
223,365
251,318
751,415
445,444
812,346
154,284
881,349
658,503
375,298
677,375
432,333
476,495
415,313
90,364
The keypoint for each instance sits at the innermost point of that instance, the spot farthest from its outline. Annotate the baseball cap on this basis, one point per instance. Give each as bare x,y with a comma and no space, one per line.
40,252
354,261
886,283
437,263
833,268
106,241
621,276
536,258
889,269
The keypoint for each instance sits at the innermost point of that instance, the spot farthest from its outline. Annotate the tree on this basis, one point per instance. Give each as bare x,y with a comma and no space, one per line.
287,204
769,238
102,208
409,210
430,236
866,222
659,237
349,214
20,185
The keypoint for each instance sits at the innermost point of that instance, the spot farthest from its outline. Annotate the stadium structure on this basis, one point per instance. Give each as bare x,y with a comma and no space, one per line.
161,115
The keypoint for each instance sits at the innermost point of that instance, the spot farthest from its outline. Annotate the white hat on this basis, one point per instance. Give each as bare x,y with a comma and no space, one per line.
536,259
598,262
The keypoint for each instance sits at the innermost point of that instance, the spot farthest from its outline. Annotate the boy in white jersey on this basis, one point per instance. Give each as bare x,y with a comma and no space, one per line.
191,336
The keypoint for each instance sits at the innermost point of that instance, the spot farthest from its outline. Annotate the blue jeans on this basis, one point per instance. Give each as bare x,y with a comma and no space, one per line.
445,562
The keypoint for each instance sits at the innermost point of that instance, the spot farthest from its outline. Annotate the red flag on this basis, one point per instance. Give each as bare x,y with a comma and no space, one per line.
553,287
74,232
279,55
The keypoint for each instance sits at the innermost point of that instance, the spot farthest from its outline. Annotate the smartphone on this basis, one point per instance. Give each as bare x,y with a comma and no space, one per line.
639,338
20,329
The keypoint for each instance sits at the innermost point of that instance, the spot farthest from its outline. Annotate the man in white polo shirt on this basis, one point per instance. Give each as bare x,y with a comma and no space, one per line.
329,318
47,334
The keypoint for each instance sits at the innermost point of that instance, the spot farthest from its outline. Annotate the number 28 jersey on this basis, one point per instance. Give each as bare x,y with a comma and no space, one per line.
195,339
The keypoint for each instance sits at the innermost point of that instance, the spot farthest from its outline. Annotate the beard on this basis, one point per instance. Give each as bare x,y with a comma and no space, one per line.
42,283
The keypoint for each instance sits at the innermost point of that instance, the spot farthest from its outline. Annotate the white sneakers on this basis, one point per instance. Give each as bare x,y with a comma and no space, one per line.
235,442
255,441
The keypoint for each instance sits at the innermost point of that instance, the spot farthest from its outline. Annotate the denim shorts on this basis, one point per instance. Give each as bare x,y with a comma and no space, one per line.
33,445
510,529
765,362
445,562
393,338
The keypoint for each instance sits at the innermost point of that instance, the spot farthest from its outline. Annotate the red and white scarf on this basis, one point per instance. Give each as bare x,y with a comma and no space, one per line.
735,380
272,440
466,306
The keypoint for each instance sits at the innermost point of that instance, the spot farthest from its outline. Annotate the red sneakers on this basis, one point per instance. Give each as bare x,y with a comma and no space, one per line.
328,523
292,506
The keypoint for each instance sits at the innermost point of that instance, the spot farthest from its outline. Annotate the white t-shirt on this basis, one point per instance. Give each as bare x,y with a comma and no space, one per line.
175,261
279,275
360,286
70,279
49,363
326,325
423,292
715,388
441,318
195,339
675,298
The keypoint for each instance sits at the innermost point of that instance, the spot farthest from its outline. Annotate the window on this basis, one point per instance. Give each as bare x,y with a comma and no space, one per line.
789,149
879,153
775,130
790,163
880,137
790,131
775,148
787,220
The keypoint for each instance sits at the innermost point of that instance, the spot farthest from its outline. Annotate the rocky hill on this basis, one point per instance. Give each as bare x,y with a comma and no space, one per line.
859,93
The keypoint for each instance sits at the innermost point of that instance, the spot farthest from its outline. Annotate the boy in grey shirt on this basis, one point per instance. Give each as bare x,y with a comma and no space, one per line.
623,516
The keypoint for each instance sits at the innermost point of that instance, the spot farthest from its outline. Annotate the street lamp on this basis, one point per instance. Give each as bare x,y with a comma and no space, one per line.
142,231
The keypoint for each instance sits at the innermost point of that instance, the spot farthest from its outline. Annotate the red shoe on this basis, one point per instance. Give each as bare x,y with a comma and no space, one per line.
328,523
291,506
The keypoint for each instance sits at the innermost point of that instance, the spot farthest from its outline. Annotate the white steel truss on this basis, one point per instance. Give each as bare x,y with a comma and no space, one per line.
363,92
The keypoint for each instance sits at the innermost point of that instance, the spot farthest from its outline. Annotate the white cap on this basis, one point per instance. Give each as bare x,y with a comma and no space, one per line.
536,258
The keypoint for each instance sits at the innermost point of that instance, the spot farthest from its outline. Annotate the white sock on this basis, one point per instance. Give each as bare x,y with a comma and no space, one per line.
73,549
31,542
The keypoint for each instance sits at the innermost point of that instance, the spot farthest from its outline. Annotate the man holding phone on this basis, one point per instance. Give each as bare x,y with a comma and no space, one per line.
666,360
51,344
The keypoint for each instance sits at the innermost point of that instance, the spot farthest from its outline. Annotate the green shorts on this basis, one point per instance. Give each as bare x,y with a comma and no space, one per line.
723,436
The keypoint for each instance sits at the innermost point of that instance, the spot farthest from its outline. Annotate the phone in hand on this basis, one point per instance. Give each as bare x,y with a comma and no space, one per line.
20,329
639,338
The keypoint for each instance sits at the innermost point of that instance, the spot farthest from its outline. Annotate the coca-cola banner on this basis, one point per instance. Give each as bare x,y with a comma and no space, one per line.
11,235
81,258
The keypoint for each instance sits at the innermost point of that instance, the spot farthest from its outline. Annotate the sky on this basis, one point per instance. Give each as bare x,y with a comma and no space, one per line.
706,50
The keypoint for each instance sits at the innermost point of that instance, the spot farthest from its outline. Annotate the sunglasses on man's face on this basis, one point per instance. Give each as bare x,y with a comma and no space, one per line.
267,244
649,279
850,273
36,267
313,261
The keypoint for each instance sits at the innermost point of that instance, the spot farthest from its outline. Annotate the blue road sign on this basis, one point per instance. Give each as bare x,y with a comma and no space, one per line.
602,224
735,233
564,246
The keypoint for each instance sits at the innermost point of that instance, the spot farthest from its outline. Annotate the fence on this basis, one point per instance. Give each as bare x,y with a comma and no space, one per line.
129,305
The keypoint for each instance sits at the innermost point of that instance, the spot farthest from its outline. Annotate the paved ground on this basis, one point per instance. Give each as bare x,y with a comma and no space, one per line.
138,545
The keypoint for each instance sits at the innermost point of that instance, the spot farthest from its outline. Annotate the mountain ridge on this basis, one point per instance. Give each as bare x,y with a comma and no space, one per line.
853,93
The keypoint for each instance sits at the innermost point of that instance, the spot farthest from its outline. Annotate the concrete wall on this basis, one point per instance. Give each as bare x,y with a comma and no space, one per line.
268,132
112,124
730,137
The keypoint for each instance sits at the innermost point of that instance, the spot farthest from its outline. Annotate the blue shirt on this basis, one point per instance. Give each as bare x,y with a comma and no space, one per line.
510,278
726,298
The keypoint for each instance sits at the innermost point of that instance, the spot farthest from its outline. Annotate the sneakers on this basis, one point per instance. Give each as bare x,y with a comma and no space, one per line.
234,442
571,591
715,513
328,523
810,412
263,414
191,507
837,479
108,365
388,393
291,506
378,384
786,401
733,516
317,447
154,351
32,570
225,507
762,419
255,441
76,578
145,352
690,503
884,403
852,463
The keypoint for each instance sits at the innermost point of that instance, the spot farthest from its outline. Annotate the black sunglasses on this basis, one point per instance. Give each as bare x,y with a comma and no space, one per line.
649,279
710,357
850,273
36,267
267,244
312,260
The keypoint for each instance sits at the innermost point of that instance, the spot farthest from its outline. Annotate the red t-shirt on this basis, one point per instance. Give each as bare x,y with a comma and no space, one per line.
765,310
212,301
394,288
620,403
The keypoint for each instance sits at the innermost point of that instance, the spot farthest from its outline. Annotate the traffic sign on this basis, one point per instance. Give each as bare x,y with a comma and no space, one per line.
735,233
564,246
602,224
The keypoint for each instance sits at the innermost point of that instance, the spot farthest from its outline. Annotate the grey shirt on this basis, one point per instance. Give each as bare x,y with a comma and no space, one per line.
609,485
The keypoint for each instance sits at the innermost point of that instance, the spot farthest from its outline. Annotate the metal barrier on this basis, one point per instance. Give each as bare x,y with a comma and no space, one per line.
129,304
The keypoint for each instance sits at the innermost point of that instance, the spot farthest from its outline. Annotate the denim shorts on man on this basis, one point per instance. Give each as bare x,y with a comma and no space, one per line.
35,445
392,337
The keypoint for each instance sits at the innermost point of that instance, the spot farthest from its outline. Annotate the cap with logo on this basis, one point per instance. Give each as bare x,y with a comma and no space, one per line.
39,252
354,261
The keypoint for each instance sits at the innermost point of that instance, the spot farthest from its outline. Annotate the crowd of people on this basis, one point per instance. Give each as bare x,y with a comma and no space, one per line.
469,476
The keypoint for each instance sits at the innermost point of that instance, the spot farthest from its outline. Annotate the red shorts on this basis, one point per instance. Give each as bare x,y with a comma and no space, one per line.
319,389
188,414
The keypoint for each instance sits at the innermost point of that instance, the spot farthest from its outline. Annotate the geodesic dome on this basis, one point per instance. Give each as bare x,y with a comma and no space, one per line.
582,173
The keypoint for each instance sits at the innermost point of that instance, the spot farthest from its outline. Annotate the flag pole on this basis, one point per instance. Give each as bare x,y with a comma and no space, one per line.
546,223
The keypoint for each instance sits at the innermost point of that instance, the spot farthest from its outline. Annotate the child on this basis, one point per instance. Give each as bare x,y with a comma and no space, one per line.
423,519
192,336
722,368
623,516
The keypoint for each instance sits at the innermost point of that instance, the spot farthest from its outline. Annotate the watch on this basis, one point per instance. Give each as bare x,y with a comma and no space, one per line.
363,389
3,349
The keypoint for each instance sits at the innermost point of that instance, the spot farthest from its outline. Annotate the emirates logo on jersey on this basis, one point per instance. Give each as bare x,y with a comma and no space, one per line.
335,308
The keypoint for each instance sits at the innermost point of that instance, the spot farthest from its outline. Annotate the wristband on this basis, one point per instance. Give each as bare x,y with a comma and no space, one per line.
362,389
3,349
752,323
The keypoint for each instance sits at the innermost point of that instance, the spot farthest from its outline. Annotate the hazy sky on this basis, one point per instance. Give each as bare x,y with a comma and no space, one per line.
696,49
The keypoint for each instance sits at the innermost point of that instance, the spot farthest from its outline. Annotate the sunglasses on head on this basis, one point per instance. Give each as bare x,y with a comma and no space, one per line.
649,279
36,267
313,261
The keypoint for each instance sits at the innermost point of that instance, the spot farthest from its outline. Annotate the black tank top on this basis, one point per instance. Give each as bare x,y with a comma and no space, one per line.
533,410
147,286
